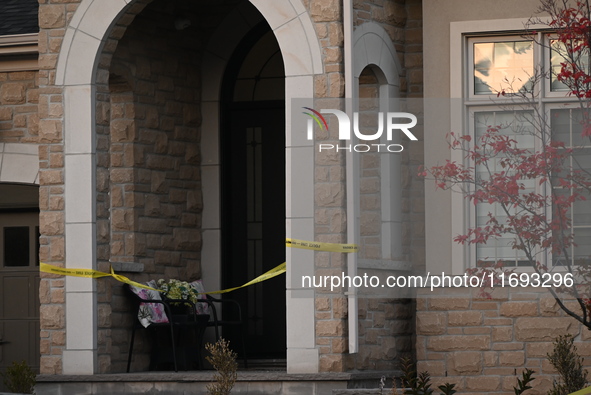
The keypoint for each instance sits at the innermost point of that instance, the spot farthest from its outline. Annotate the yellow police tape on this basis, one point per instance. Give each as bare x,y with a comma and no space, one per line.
294,243
317,246
265,276
88,273
584,391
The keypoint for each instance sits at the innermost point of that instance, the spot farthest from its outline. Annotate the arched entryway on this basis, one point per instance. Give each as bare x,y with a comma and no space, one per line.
253,189
82,71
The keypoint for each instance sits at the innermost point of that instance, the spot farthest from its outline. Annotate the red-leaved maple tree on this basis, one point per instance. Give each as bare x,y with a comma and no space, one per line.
533,190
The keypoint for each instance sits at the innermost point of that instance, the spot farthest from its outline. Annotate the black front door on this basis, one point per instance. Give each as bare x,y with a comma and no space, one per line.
253,215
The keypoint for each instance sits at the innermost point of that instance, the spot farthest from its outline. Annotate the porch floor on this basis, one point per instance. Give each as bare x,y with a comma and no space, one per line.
195,382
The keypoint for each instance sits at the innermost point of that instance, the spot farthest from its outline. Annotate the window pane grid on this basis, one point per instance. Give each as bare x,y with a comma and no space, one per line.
558,51
515,124
566,127
494,66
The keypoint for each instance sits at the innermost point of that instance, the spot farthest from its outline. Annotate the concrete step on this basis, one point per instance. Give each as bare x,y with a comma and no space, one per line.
195,383
375,391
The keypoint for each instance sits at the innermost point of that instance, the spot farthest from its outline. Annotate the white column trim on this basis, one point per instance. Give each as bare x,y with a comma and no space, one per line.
76,73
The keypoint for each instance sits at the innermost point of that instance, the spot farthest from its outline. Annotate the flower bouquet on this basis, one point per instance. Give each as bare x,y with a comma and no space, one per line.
178,290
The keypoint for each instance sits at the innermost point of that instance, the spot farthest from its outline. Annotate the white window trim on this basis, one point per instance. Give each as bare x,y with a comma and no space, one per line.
462,255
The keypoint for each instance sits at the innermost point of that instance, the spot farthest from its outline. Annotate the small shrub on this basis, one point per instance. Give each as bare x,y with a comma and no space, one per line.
19,378
419,384
447,389
569,366
224,362
415,384
523,383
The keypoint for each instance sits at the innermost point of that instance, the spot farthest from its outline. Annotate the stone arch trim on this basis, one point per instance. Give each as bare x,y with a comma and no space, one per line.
372,46
19,163
93,19
77,73
295,33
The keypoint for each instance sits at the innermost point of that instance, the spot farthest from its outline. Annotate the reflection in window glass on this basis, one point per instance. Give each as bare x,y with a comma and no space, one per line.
558,55
499,66
16,246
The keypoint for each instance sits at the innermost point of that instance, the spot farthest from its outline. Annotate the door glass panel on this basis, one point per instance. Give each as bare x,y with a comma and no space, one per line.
16,246
37,236
254,223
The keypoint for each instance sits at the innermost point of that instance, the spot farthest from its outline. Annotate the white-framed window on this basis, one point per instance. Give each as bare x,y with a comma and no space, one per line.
516,123
488,70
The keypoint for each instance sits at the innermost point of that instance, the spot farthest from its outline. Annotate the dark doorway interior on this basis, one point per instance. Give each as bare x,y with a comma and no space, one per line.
253,190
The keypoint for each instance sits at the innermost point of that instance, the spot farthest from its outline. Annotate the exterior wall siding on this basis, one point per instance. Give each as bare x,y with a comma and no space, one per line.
148,199
145,178
19,97
330,203
154,173
483,345
384,336
53,20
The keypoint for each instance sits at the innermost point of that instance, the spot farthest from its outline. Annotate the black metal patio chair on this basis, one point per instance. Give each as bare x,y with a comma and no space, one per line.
181,334
232,318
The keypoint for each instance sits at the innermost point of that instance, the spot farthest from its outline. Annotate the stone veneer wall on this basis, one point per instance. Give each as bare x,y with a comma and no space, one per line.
483,344
370,199
19,97
329,189
53,17
148,190
384,324
402,19
152,194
